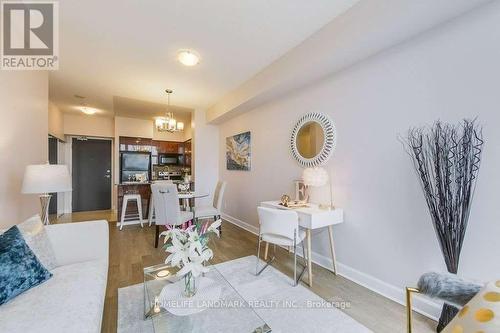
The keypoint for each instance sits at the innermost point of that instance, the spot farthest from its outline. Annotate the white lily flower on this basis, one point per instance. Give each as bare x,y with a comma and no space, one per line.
187,249
214,227
177,257
167,236
195,268
195,248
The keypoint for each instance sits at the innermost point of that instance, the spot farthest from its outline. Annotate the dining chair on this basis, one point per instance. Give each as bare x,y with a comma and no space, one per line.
213,210
166,208
280,227
151,210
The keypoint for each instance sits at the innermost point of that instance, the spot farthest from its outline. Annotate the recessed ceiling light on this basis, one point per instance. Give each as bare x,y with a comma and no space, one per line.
188,57
87,110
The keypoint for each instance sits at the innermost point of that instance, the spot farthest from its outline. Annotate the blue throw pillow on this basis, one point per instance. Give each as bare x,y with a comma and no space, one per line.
20,269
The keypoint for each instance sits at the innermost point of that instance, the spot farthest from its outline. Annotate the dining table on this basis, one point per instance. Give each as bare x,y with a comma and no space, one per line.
144,189
186,196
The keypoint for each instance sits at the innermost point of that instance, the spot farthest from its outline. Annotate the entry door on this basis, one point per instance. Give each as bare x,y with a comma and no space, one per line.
91,174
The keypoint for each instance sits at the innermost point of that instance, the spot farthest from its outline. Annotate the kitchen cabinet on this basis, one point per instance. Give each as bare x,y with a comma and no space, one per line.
135,144
187,153
168,147
157,147
143,189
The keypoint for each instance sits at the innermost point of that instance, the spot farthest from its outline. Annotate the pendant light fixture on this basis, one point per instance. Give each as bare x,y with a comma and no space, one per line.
168,123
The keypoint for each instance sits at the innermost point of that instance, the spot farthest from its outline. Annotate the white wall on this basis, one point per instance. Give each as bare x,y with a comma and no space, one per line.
56,122
205,155
88,125
23,139
448,73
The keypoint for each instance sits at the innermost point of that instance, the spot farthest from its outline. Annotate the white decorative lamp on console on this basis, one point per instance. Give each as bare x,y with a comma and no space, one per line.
318,177
43,179
315,176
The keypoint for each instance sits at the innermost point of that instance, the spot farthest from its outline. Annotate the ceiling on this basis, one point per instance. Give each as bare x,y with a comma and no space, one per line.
134,108
125,50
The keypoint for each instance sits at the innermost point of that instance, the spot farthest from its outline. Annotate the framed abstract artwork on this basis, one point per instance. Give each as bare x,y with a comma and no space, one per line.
238,152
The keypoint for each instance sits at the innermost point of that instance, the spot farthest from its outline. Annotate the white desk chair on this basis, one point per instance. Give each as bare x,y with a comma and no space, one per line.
151,212
214,210
166,207
124,217
280,227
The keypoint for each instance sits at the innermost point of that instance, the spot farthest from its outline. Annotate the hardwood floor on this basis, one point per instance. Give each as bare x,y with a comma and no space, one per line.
131,249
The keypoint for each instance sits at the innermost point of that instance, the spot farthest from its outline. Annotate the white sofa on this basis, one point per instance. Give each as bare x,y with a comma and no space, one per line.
73,299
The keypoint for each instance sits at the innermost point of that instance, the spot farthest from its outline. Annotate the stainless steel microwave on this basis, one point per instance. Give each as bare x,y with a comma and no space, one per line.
169,159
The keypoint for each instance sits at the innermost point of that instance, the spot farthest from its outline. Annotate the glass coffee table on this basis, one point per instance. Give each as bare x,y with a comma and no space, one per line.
217,306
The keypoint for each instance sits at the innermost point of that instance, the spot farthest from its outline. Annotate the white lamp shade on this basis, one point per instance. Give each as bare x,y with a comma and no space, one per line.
315,177
46,178
159,122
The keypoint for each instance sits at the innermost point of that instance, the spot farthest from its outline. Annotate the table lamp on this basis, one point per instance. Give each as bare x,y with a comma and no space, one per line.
43,179
317,177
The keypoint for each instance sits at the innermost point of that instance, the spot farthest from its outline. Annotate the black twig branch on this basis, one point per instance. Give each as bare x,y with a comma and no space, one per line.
447,160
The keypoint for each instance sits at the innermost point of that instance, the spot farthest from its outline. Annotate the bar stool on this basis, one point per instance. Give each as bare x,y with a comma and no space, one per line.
126,199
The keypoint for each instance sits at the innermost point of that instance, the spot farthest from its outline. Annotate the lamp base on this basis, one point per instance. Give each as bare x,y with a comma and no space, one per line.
44,203
326,207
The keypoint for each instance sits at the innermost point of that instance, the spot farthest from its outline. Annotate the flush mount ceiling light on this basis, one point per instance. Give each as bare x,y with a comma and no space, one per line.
168,123
84,108
188,58
87,110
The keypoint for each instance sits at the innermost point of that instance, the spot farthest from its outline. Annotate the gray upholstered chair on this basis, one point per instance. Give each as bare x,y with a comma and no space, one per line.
166,207
151,212
214,210
443,286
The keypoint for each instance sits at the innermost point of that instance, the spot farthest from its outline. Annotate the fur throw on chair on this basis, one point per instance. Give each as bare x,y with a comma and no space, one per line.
448,287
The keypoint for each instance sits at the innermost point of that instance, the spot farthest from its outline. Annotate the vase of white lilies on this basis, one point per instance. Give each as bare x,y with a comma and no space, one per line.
189,251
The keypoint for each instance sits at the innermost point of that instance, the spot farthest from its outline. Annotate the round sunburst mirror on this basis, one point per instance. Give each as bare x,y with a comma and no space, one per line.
313,139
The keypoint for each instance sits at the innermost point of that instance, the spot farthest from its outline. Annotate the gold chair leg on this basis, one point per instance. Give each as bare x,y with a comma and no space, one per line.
409,292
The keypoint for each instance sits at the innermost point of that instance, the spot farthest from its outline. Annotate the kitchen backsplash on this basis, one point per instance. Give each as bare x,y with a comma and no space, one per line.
165,168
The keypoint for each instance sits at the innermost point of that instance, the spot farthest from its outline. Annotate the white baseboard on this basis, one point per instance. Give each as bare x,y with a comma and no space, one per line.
248,227
421,305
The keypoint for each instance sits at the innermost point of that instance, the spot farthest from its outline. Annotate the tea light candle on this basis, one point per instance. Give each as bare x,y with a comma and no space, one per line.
162,273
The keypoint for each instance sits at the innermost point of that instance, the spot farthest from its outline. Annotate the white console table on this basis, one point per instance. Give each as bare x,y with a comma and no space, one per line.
314,218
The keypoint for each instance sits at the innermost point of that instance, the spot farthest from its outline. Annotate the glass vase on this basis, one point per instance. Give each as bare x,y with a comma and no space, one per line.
189,285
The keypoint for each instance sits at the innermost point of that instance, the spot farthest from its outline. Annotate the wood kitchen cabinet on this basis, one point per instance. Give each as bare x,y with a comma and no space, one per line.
143,189
162,147
128,143
187,153
169,147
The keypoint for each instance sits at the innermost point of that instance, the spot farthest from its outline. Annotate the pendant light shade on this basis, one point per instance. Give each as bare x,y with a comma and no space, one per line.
168,123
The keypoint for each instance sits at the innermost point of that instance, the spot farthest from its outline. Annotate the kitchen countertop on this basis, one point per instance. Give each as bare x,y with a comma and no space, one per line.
134,183
149,183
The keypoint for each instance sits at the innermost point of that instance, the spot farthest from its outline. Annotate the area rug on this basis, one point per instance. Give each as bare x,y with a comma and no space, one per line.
304,312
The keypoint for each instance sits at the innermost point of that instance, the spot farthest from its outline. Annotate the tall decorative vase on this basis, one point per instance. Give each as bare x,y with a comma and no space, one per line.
189,285
447,159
